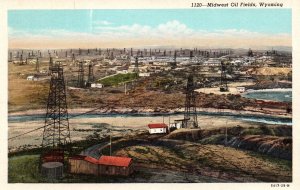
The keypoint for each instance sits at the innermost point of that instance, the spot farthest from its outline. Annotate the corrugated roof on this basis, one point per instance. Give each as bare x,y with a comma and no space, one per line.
114,161
157,125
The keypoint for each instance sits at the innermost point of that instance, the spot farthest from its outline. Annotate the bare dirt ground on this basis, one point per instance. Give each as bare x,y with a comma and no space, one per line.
81,128
231,87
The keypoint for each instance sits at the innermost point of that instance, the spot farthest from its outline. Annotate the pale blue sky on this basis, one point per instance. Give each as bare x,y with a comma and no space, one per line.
150,27
254,20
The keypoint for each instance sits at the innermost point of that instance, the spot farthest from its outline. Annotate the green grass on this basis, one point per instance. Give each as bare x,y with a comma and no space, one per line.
23,169
117,79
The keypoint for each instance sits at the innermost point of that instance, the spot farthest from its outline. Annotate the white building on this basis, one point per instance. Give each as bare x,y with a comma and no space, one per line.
122,72
212,62
176,124
241,89
157,128
32,78
96,85
144,74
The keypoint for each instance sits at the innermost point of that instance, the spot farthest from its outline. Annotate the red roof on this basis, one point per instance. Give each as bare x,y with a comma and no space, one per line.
157,125
91,159
114,161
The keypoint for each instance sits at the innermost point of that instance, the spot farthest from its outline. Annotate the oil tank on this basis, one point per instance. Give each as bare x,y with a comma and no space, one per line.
52,170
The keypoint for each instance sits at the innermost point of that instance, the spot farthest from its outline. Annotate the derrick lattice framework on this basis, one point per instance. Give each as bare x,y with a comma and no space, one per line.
190,113
223,86
136,65
91,73
56,130
80,80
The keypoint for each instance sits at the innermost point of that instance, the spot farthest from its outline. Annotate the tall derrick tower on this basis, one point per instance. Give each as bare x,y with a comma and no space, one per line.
223,86
190,113
80,81
56,130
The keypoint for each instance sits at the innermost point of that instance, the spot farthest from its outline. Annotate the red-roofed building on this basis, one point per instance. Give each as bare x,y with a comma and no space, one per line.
83,165
113,165
106,165
155,128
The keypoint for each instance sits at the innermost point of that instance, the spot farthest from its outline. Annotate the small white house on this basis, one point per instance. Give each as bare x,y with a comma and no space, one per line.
176,124
144,74
96,85
241,89
157,128
122,72
32,78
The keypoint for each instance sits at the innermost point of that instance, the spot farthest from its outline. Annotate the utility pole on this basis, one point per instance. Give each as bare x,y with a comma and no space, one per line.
226,134
125,88
110,143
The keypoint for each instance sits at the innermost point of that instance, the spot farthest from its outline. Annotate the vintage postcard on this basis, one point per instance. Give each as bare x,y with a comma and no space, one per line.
149,92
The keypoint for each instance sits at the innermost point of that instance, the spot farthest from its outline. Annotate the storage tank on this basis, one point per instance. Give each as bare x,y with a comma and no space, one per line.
52,170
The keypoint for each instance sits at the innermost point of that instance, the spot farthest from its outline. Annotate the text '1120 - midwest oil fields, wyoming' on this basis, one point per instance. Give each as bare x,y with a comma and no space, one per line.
150,96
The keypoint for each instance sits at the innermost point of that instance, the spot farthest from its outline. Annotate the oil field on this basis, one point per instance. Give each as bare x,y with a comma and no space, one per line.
149,115
86,107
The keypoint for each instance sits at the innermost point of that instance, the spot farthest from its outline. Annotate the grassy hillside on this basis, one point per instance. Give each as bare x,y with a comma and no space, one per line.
117,79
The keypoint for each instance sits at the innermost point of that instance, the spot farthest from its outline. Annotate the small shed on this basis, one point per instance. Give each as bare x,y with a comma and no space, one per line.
114,165
241,89
83,165
32,78
155,128
177,124
105,165
96,85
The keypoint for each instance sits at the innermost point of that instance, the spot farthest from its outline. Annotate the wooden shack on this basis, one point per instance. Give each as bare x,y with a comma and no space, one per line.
113,165
106,165
83,165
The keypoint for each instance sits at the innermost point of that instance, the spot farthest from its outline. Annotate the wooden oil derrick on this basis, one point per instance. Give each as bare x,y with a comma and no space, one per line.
10,56
223,85
80,80
37,65
73,57
136,65
190,113
56,130
91,74
50,64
